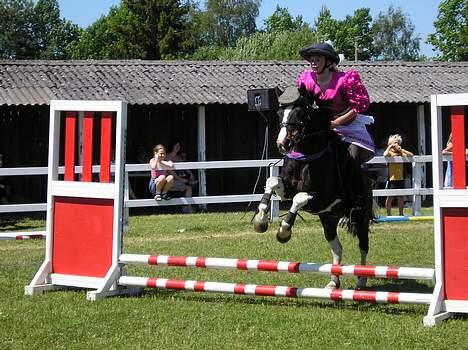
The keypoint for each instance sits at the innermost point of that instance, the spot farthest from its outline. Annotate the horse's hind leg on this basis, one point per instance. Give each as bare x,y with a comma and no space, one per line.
363,230
363,237
284,232
274,184
329,223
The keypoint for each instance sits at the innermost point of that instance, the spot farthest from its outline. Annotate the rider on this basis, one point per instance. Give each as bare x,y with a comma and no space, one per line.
345,97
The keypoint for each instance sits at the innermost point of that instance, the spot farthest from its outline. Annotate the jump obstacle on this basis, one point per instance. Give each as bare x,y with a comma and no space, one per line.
398,218
4,236
84,228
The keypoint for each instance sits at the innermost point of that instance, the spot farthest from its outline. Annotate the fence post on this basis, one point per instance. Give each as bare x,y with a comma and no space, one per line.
126,209
416,173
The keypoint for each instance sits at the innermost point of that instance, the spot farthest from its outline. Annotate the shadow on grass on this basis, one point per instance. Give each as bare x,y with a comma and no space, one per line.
405,286
16,222
216,298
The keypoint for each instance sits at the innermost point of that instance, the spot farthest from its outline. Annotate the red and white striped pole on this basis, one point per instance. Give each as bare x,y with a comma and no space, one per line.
277,291
22,235
388,272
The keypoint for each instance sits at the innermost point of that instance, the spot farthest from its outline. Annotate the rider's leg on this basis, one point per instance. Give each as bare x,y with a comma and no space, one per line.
358,157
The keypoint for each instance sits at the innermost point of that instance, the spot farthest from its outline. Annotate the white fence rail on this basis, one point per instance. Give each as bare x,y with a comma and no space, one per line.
417,191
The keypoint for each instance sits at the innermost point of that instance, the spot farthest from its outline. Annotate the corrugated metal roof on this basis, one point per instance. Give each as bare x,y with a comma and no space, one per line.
207,82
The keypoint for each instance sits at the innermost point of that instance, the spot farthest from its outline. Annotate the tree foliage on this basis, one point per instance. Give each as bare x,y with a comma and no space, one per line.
145,29
281,20
281,40
53,36
220,29
451,36
351,36
394,37
354,35
326,26
223,22
283,45
16,32
29,31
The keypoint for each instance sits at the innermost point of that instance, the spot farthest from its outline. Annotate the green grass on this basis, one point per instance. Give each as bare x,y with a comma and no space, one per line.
186,320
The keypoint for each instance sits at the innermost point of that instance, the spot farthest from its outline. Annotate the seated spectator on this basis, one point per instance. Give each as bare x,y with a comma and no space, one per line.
184,180
395,171
161,180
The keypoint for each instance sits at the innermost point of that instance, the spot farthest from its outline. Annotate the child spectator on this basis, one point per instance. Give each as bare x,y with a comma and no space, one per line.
184,180
395,171
161,180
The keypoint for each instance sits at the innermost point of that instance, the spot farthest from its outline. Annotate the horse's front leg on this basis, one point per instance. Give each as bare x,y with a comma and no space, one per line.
362,281
274,184
285,230
329,224
363,236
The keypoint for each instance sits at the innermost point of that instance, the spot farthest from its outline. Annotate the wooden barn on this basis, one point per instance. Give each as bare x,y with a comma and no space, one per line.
204,105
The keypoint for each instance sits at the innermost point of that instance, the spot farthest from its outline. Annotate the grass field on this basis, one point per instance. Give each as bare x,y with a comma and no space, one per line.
186,320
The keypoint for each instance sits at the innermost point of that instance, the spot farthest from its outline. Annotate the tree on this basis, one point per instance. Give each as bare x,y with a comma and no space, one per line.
16,33
326,26
282,45
351,37
225,21
451,37
394,37
163,26
97,41
29,31
281,20
354,36
145,29
53,37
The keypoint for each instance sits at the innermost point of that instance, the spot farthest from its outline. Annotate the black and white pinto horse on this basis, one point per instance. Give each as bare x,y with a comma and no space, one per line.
315,176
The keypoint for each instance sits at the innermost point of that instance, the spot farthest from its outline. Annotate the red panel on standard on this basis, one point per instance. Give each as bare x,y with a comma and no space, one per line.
83,229
87,156
70,144
458,147
106,140
455,235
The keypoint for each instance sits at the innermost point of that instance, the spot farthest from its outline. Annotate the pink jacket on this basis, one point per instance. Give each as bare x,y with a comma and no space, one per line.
344,90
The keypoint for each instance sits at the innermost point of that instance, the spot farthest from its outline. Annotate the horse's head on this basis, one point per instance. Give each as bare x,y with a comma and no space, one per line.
301,118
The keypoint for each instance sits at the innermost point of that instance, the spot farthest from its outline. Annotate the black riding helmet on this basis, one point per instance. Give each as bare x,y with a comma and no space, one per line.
323,49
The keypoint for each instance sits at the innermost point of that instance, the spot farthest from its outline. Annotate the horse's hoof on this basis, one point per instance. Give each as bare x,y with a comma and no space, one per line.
260,227
333,285
361,283
260,221
283,236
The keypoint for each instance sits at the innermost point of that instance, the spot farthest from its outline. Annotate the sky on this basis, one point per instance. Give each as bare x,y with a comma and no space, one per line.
422,13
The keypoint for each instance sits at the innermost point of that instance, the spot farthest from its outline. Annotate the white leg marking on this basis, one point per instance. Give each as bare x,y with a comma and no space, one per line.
299,200
336,250
283,133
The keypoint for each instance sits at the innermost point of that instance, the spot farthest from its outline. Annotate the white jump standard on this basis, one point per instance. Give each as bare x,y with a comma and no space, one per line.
450,214
84,227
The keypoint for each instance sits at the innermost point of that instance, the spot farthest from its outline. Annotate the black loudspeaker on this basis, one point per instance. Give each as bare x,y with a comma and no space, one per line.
262,99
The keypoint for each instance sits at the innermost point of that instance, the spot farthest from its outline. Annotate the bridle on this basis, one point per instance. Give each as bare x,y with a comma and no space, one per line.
300,127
